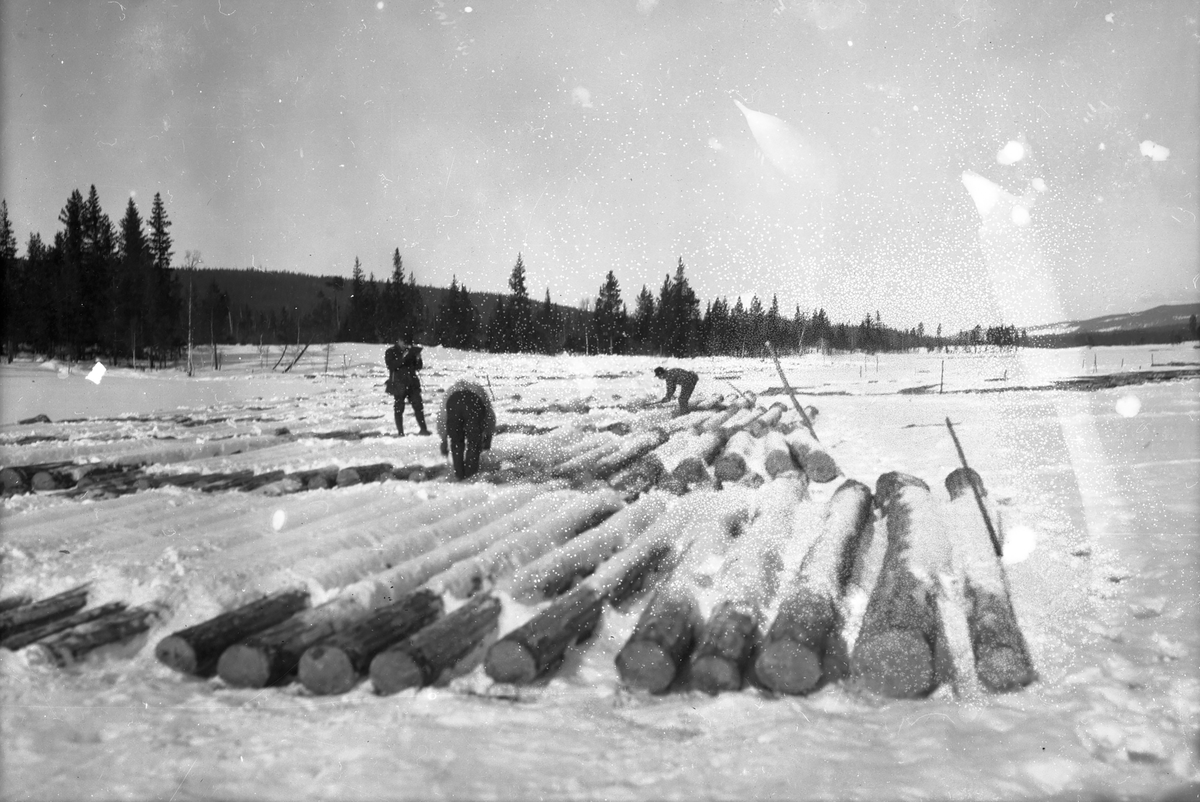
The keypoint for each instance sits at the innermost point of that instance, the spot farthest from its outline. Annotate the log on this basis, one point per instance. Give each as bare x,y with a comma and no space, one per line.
632,449
766,422
811,456
902,630
41,612
584,460
636,479
741,420
805,642
196,649
716,422
777,455
338,663
654,655
273,656
1002,660
13,480
420,659
521,547
538,646
12,602
743,453
555,571
72,645
23,639
746,586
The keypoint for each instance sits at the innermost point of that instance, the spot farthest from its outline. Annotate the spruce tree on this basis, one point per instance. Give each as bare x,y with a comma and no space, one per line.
520,313
609,316
643,320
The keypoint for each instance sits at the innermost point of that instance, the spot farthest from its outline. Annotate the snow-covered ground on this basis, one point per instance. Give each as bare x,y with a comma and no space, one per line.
1102,485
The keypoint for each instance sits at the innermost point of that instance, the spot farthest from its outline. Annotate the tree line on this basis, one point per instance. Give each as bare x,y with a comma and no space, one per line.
105,290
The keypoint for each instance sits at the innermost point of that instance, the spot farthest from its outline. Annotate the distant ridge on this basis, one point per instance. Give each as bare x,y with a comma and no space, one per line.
1163,323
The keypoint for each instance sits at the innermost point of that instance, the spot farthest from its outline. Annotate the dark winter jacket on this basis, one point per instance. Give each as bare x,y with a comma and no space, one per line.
407,359
679,377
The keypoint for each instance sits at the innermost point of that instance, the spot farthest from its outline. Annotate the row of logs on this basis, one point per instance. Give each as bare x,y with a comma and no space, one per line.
405,627
61,631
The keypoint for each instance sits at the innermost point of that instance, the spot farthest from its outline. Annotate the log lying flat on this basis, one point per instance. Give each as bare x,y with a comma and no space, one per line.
537,646
777,455
196,649
28,616
634,480
805,641
811,456
901,632
1002,660
746,586
337,664
555,571
634,448
12,602
72,645
420,659
23,639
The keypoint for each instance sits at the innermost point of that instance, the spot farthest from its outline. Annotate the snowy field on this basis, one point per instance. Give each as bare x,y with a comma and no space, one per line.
1097,490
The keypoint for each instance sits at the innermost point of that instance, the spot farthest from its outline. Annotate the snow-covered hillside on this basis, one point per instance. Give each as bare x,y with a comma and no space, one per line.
1095,492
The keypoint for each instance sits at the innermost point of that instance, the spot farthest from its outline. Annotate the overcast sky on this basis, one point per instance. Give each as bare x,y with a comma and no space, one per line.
602,134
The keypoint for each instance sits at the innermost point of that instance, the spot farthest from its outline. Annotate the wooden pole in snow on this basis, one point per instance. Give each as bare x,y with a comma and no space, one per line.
895,651
792,393
196,649
804,643
1002,660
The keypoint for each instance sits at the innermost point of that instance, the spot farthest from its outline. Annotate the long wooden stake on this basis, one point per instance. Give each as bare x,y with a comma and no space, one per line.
975,490
791,392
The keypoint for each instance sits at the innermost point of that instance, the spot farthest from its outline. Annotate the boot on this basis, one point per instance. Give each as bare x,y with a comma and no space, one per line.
421,422
400,423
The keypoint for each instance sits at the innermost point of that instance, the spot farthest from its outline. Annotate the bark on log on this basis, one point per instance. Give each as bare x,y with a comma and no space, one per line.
584,460
337,664
521,547
805,642
554,572
13,480
1002,660
538,645
746,586
74,644
812,456
766,422
23,639
13,602
902,630
420,659
639,477
716,422
661,642
196,649
41,612
631,450
742,452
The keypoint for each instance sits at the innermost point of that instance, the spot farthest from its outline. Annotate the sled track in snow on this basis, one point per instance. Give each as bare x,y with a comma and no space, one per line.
396,582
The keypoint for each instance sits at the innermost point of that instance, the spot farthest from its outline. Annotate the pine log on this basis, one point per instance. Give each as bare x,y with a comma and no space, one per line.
743,452
196,649
634,480
811,456
538,646
777,456
521,547
72,645
420,659
661,642
585,460
336,664
902,631
552,573
767,421
13,602
685,447
741,420
1002,660
634,448
746,586
41,612
805,642
655,653
23,639
716,422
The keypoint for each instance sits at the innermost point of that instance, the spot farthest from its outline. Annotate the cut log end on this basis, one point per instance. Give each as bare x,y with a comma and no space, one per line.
820,467
959,481
890,483
897,664
714,674
1003,669
244,666
176,653
394,671
327,670
786,666
510,661
645,664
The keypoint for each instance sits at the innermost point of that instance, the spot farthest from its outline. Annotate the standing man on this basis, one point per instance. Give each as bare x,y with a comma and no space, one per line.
685,379
403,361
